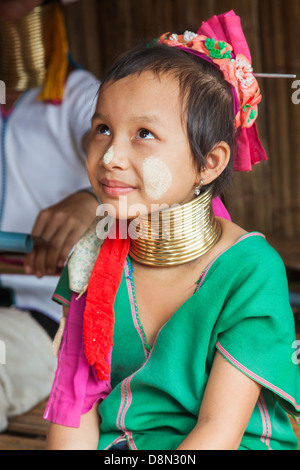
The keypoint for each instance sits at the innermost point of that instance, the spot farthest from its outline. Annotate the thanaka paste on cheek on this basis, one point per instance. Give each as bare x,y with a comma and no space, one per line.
109,155
157,177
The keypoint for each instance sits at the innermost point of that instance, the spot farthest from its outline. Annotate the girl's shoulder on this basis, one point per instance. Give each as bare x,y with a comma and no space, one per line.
247,251
233,235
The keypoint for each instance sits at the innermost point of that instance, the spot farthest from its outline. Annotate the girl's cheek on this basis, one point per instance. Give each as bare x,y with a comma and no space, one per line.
157,178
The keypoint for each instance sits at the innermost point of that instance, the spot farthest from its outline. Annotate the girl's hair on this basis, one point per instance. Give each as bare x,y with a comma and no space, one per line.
206,96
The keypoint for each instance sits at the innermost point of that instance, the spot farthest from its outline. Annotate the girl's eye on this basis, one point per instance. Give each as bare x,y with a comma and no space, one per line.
102,129
145,134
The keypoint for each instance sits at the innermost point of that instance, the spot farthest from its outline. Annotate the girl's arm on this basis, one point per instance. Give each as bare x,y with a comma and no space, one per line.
85,437
228,402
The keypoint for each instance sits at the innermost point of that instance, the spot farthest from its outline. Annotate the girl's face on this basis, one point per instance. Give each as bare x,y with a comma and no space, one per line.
139,153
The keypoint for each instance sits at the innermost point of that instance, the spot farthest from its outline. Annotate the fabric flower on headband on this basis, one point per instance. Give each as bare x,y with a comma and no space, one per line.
237,71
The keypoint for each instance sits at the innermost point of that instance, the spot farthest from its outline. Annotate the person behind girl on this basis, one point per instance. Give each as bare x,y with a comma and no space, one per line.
175,342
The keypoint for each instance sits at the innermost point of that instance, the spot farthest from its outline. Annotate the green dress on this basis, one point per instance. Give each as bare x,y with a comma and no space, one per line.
240,307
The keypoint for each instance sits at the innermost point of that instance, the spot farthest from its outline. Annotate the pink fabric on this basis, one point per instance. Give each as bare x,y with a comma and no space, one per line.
219,209
76,388
227,27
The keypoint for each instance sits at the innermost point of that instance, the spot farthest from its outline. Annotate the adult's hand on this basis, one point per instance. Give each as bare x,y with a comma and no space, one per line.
58,228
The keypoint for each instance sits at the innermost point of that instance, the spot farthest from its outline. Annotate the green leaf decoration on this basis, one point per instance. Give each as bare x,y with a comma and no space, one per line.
222,45
215,53
210,43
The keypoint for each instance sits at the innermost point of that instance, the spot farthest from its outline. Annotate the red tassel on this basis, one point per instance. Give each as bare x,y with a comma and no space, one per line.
99,318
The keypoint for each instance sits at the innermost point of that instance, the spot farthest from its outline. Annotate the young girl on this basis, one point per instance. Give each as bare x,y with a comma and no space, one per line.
179,332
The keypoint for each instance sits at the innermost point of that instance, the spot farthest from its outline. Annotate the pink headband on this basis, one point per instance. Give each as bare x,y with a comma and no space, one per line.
221,41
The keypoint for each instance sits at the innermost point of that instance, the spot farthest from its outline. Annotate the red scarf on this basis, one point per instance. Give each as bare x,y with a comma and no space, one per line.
99,318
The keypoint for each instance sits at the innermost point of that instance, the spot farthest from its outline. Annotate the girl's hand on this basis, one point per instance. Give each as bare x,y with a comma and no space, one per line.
59,227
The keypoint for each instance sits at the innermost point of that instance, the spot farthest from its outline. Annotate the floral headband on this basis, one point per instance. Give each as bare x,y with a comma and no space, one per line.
221,41
237,71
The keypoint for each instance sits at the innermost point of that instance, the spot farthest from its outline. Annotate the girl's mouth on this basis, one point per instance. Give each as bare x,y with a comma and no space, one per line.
116,188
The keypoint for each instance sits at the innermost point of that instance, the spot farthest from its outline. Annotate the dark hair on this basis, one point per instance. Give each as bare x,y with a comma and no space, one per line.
207,96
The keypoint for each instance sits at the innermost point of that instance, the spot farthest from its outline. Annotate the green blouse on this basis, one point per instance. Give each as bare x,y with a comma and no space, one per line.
241,308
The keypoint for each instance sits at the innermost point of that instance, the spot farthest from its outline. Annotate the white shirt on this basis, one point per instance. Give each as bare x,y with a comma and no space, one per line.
42,162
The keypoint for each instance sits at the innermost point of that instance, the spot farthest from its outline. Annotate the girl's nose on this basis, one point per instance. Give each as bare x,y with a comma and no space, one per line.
116,156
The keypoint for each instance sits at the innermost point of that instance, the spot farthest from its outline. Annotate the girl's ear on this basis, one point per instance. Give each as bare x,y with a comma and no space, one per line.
216,162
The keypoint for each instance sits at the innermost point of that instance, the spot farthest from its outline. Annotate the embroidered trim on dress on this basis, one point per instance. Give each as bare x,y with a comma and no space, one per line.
266,421
134,308
243,237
